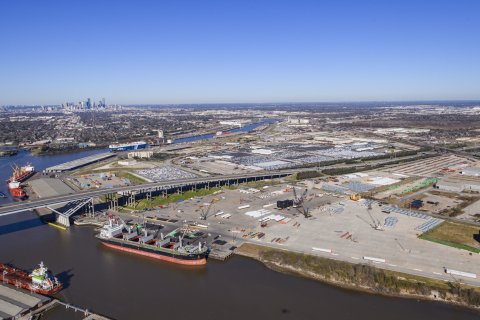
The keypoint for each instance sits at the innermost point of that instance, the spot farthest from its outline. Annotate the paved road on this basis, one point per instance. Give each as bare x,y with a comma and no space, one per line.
438,275
42,202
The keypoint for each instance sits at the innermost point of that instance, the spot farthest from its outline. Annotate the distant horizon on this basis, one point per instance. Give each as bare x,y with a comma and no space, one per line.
261,103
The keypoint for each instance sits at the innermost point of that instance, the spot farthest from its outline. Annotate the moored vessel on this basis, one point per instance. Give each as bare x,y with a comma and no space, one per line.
219,133
16,190
23,173
39,280
127,146
115,234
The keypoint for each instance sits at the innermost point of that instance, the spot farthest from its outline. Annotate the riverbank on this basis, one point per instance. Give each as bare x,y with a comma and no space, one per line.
363,277
38,152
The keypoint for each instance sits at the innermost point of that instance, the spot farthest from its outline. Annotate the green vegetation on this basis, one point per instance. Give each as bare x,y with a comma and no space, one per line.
448,243
130,176
161,201
455,234
308,175
230,187
162,156
381,281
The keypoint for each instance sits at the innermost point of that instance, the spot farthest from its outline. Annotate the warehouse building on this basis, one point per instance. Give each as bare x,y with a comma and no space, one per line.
16,303
448,185
140,154
471,171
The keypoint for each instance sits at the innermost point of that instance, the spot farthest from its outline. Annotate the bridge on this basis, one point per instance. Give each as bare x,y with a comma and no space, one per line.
74,201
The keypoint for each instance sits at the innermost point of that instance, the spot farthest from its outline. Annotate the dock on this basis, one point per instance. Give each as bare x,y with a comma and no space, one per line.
222,255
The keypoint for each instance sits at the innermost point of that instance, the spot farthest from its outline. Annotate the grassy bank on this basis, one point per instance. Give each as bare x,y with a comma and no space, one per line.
161,201
363,275
455,234
127,175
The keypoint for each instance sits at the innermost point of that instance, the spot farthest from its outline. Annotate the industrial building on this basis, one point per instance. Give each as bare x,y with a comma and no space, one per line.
80,162
16,303
140,154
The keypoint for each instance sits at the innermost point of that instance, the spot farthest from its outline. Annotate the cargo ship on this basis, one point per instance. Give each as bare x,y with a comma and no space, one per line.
40,280
115,234
16,190
219,133
127,146
23,173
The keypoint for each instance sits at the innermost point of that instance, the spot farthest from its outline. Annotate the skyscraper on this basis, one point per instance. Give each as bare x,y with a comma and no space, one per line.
89,104
103,102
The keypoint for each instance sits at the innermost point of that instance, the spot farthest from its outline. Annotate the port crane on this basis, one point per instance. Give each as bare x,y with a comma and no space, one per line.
299,200
205,214
376,223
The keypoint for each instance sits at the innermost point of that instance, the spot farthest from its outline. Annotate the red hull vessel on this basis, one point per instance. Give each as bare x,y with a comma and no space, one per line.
156,256
22,174
24,280
16,191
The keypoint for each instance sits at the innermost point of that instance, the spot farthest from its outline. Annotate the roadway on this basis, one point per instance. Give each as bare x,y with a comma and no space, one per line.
43,202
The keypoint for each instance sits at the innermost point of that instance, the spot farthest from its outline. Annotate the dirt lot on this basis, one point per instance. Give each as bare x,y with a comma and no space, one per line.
444,202
458,232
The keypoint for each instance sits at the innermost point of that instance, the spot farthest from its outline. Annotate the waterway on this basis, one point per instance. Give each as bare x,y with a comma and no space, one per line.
242,129
125,286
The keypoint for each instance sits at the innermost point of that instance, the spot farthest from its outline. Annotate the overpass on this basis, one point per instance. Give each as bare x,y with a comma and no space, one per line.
74,201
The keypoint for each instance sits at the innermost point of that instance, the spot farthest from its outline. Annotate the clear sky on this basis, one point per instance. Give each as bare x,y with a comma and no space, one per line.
238,51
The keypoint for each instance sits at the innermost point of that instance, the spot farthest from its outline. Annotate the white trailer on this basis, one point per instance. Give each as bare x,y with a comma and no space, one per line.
460,273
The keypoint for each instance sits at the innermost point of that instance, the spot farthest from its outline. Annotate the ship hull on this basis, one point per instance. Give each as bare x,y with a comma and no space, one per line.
126,148
22,177
27,285
192,260
17,194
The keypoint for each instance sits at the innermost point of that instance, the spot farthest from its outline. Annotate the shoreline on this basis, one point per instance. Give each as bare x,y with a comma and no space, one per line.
433,295
59,152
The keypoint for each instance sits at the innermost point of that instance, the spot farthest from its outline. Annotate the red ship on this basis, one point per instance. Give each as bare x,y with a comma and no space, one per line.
23,173
16,191
40,280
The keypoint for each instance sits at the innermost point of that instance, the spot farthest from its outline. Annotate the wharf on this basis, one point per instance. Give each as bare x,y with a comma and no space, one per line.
222,255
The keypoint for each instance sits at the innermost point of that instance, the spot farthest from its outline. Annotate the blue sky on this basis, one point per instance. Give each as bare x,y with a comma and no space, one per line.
238,51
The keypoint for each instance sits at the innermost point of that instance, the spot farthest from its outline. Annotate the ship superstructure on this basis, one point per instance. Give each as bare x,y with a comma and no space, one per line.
116,234
39,280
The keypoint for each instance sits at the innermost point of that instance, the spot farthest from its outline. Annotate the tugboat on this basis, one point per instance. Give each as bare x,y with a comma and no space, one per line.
115,234
40,280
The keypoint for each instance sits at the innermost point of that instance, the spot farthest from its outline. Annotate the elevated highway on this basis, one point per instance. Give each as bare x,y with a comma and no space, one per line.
142,188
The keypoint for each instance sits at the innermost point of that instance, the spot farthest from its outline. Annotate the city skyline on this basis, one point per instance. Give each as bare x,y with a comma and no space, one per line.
216,52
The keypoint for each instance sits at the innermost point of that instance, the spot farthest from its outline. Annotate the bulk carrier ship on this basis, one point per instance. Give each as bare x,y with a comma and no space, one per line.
117,235
23,173
40,280
19,175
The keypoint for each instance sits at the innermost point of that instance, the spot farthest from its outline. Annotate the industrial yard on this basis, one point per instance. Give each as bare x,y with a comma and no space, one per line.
350,234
